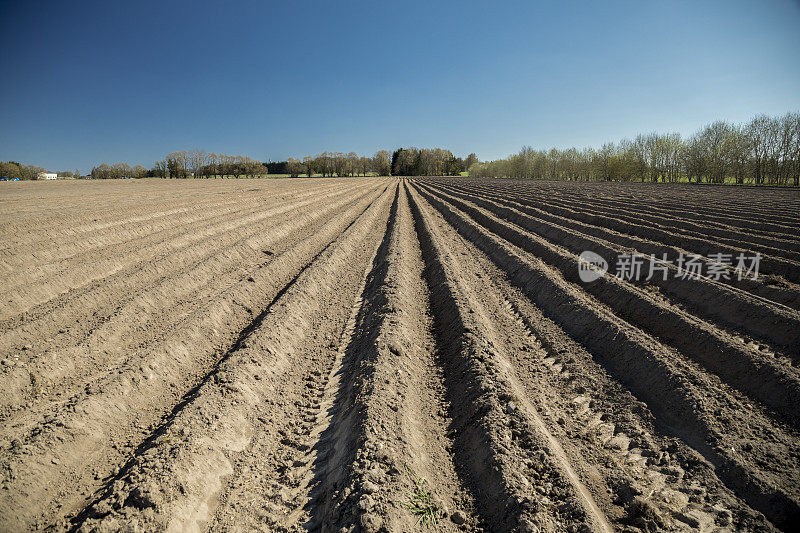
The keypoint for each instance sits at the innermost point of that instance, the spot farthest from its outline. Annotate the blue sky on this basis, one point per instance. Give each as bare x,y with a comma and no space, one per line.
91,82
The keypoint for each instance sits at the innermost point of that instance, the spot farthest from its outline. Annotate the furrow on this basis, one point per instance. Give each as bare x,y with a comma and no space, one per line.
64,215
136,275
175,482
770,264
76,447
388,440
706,218
696,406
59,248
77,276
778,385
500,439
691,203
137,321
782,250
777,294
634,471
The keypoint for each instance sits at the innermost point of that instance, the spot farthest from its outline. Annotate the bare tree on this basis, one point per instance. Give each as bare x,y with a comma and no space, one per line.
382,163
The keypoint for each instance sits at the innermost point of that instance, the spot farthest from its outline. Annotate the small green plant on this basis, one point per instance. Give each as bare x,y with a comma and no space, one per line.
420,502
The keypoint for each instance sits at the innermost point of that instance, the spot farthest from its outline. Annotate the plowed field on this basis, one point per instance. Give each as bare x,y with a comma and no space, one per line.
395,354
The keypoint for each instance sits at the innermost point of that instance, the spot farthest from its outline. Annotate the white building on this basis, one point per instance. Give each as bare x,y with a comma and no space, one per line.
48,176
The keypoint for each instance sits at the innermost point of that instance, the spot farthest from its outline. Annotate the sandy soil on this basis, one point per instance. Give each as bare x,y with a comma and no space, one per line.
394,355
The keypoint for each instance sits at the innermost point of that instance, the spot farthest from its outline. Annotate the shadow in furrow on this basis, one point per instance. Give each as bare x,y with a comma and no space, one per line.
339,443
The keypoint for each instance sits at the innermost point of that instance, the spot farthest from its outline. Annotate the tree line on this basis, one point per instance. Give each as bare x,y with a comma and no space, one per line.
429,162
202,164
764,151
401,162
340,164
119,170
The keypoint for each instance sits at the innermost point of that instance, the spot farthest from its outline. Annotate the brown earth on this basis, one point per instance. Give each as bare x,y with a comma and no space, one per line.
386,354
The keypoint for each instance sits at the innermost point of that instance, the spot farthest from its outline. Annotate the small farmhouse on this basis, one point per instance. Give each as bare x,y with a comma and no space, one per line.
48,176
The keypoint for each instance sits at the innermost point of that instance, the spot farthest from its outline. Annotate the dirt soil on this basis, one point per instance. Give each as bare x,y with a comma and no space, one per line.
387,354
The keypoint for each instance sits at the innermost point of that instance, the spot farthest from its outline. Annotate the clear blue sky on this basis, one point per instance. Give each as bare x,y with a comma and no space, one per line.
88,82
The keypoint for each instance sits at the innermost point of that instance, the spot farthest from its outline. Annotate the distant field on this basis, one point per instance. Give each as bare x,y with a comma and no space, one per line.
287,354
